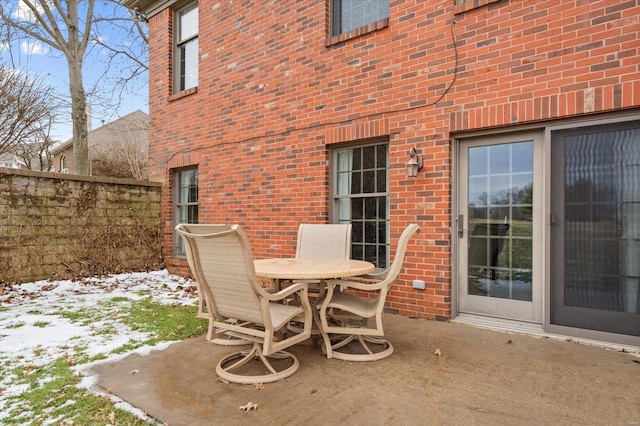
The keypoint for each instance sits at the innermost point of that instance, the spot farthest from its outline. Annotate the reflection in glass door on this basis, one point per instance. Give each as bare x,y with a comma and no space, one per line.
499,212
596,235
496,271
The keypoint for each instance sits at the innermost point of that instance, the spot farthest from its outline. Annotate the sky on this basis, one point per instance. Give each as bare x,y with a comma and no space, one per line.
37,59
32,335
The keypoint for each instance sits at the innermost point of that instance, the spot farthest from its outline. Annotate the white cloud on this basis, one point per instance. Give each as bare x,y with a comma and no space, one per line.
33,48
23,12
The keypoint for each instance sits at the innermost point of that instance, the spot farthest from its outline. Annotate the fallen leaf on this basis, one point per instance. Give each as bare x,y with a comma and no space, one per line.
312,391
112,418
437,352
509,342
259,386
250,406
133,372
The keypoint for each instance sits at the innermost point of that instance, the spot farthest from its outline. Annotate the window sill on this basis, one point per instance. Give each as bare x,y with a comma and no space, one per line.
357,32
182,94
471,4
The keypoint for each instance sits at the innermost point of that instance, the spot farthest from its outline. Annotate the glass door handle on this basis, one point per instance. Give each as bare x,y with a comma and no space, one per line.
460,224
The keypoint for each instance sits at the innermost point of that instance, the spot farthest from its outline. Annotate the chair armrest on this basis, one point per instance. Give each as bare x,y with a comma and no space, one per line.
280,295
357,285
375,275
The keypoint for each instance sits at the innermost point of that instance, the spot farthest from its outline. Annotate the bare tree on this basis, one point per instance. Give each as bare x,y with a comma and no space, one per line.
123,62
27,108
125,154
37,155
68,26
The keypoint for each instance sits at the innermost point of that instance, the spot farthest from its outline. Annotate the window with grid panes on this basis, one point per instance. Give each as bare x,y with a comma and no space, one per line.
185,194
360,196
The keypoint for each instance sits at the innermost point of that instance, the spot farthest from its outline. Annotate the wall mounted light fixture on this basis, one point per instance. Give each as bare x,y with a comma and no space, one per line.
139,16
414,164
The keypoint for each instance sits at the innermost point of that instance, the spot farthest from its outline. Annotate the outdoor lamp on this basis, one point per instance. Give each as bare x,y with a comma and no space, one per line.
414,164
139,16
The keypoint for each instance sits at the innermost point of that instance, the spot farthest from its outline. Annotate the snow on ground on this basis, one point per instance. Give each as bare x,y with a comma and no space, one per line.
33,331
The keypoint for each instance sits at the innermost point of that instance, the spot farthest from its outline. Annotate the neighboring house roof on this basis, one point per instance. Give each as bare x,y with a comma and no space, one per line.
137,120
11,160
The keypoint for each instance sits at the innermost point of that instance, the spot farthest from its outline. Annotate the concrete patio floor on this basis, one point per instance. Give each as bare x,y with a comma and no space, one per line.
482,377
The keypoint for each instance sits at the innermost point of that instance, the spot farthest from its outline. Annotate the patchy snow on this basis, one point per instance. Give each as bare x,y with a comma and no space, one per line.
36,328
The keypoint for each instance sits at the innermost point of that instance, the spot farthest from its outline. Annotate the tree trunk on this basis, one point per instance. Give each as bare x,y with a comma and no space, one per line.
79,117
75,57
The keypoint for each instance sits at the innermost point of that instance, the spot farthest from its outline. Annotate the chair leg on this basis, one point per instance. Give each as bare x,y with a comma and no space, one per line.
325,337
236,360
375,348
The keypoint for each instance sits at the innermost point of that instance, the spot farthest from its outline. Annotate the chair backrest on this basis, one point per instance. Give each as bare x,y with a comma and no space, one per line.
392,272
198,229
223,263
332,241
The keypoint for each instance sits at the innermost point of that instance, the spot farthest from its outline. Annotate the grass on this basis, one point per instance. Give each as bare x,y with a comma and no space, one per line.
50,393
52,396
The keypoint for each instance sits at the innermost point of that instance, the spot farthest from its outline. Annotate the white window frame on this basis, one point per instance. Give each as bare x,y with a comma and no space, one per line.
186,54
180,204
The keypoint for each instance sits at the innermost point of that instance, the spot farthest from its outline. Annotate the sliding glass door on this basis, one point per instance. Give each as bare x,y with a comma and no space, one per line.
595,232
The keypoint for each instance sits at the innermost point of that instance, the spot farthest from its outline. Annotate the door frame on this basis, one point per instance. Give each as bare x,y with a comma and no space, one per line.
546,128
581,333
536,315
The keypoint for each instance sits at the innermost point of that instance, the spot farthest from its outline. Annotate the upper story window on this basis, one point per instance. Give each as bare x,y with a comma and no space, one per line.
347,15
186,66
63,164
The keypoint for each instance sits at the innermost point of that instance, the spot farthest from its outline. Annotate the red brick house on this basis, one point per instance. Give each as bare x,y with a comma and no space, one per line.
525,116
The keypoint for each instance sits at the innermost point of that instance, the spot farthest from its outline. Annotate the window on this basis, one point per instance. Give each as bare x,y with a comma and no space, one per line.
63,165
347,15
185,197
186,56
360,196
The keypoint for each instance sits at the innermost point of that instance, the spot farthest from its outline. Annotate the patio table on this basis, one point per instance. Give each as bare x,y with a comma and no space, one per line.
307,271
311,269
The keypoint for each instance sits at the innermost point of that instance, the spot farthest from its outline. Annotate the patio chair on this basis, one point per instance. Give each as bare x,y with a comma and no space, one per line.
240,307
361,317
315,240
217,336
322,241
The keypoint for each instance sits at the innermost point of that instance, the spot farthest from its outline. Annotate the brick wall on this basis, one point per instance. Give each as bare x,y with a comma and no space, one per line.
62,226
275,92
